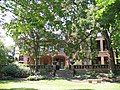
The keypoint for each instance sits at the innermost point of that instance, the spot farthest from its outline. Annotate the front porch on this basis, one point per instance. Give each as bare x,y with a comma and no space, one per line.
98,68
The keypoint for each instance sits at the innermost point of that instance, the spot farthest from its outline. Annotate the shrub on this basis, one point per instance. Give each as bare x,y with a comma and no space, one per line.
7,78
92,74
117,73
10,70
43,71
23,71
111,74
15,71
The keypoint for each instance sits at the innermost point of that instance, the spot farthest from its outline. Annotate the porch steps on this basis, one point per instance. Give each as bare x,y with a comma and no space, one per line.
62,74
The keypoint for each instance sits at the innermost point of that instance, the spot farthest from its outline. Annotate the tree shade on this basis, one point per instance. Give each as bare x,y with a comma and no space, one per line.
78,22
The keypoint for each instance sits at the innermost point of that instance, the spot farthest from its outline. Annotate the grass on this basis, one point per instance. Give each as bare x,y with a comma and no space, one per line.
56,85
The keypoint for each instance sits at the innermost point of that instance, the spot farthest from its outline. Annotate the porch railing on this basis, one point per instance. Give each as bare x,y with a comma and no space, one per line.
82,67
40,66
91,67
95,67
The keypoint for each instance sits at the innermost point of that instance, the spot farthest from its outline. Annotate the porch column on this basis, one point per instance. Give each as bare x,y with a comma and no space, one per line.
101,44
90,62
102,60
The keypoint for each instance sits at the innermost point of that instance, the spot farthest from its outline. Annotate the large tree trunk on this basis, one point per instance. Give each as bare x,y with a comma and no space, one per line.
110,50
36,64
36,58
116,52
36,48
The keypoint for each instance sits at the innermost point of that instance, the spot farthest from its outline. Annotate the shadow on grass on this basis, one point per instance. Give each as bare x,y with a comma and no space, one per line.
20,89
81,89
59,78
111,80
37,89
8,81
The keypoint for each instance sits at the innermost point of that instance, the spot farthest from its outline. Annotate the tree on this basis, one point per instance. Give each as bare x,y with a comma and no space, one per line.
77,21
109,17
5,58
35,21
29,26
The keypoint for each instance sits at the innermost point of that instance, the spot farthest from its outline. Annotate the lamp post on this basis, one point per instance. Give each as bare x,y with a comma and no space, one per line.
72,67
54,68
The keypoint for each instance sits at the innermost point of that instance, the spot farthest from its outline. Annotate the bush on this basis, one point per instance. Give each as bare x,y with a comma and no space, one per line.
15,71
7,78
23,71
92,74
117,73
111,74
10,70
42,71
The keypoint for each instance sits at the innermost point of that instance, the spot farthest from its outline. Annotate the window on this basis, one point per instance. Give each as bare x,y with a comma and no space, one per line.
106,60
105,47
98,45
97,61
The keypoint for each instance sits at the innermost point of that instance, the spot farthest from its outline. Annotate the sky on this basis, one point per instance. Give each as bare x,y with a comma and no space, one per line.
7,40
5,17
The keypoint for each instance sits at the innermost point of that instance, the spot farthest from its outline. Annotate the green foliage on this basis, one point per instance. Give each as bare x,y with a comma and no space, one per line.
35,24
109,20
7,78
4,57
93,74
87,75
10,70
111,74
14,71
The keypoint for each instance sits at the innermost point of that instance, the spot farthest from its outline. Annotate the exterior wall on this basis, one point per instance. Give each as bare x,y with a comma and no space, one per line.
46,60
61,57
30,60
26,59
102,52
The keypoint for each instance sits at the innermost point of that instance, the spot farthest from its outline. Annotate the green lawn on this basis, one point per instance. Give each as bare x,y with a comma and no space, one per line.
56,85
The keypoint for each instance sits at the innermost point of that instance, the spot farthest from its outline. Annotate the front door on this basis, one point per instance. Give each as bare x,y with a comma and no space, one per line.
61,63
